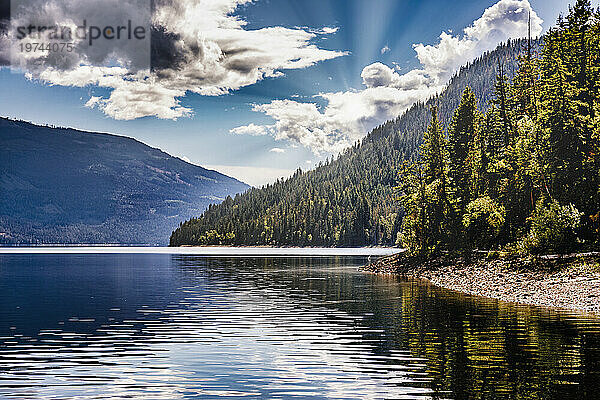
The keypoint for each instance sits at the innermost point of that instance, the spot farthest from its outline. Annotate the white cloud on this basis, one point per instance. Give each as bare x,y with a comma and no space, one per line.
252,129
134,99
277,150
377,74
349,115
77,17
505,19
201,46
384,49
328,30
345,119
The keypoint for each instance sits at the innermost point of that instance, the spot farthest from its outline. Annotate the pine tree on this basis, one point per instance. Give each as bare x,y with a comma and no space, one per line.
497,180
526,82
433,151
560,119
461,142
503,104
426,202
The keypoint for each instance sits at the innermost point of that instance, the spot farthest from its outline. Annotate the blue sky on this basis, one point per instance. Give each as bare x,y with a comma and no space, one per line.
379,33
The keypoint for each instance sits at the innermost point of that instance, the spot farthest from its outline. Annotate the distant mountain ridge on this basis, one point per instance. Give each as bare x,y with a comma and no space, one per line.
349,200
62,185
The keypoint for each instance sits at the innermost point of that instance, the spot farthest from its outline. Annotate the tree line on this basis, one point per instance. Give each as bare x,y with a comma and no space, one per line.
525,175
284,213
520,153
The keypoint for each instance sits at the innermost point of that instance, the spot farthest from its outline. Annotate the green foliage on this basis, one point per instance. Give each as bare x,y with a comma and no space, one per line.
483,221
552,228
433,152
516,174
531,162
425,196
461,145
350,200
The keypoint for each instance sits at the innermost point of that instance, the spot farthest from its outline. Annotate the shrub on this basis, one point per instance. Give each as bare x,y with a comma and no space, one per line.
553,228
423,226
483,220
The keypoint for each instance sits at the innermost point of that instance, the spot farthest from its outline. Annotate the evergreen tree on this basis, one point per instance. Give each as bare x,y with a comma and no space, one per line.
427,205
461,147
526,171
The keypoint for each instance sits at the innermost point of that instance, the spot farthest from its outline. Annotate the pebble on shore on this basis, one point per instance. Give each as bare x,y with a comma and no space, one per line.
569,283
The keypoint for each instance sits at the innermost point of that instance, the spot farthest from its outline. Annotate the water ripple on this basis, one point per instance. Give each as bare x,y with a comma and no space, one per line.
168,327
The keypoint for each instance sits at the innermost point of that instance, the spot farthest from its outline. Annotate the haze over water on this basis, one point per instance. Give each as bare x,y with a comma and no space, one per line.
184,326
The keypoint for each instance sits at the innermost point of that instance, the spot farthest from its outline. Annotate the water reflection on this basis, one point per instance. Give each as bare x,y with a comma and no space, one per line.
159,326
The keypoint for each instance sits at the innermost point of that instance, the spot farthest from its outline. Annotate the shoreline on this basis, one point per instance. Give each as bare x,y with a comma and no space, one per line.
571,283
213,251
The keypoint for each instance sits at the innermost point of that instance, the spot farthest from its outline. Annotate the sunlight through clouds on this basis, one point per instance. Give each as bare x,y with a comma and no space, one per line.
348,116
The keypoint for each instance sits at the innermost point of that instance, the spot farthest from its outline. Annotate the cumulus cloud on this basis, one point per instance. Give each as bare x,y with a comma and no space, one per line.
326,30
199,46
377,74
384,50
277,150
342,122
80,24
252,129
348,116
505,19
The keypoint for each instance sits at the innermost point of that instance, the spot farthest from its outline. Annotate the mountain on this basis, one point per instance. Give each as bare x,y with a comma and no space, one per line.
63,185
349,200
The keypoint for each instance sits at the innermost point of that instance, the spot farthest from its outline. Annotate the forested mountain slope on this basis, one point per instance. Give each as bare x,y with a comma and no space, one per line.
523,177
67,186
350,200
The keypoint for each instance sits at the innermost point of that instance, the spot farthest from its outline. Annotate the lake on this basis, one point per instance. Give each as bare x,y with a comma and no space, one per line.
168,326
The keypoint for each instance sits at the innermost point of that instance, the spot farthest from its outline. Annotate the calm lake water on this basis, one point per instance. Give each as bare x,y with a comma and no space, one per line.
159,326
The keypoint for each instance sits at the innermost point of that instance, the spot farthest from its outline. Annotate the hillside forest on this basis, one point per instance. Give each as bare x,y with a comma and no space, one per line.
508,156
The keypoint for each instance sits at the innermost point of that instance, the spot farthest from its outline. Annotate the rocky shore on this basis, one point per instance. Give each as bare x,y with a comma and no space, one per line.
571,282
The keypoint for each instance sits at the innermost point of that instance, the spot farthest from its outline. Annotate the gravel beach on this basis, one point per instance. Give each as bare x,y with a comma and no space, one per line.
569,283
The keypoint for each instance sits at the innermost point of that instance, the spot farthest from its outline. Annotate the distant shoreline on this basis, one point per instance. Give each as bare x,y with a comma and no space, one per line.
215,251
571,282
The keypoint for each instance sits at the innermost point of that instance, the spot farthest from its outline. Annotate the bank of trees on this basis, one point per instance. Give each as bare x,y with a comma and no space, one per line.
524,174
508,157
350,200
